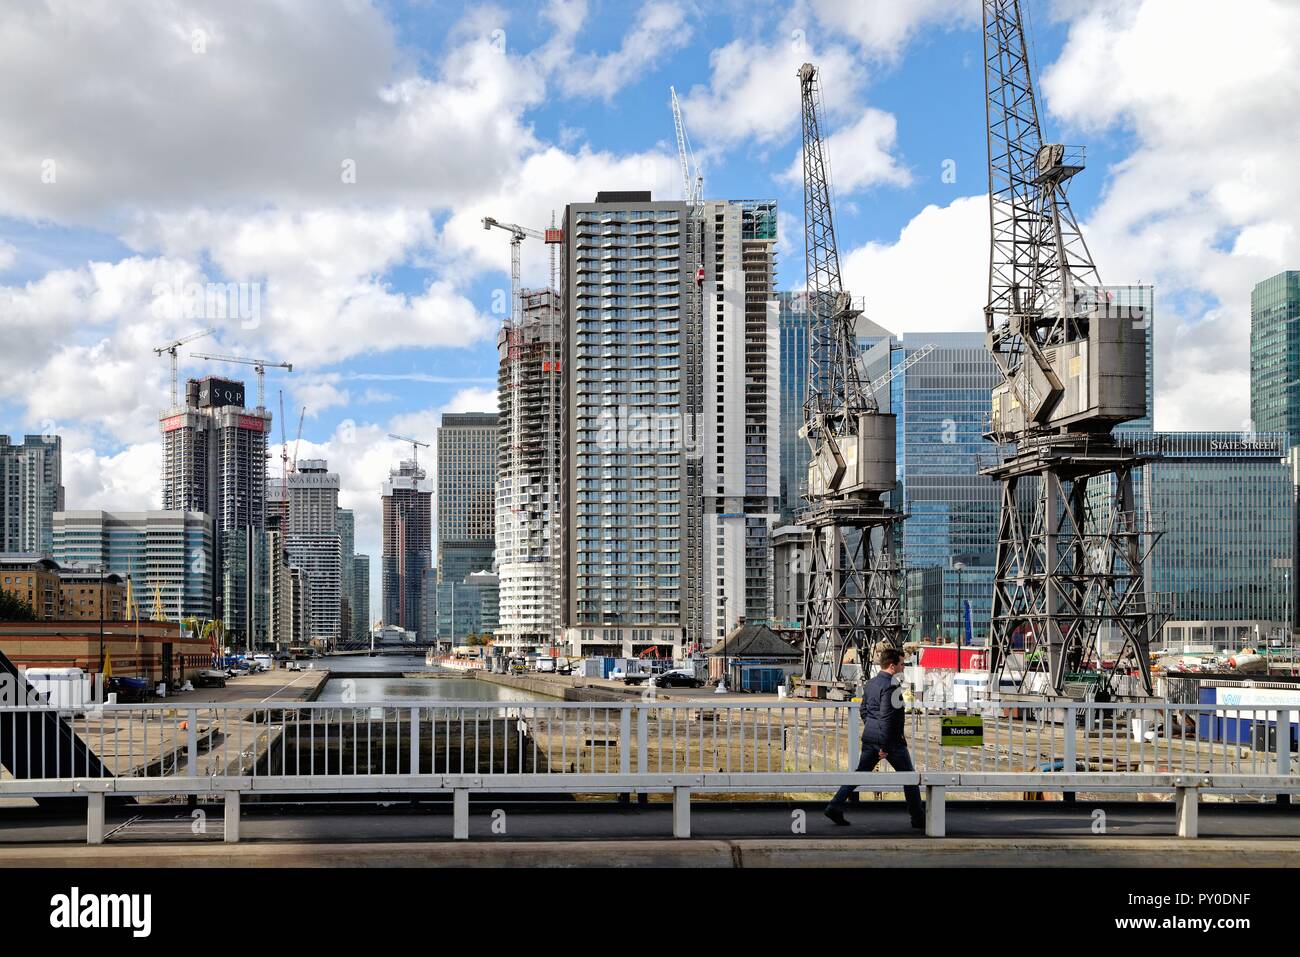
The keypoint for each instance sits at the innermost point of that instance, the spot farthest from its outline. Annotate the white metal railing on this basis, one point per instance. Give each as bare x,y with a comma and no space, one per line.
323,740
646,745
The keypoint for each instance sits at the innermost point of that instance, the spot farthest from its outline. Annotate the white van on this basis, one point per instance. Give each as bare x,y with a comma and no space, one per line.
265,662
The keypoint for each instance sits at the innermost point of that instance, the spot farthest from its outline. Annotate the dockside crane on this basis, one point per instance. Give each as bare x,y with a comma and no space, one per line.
854,582
171,349
259,366
1068,571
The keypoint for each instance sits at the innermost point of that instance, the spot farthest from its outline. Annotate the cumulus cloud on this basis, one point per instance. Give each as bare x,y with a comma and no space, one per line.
883,27
933,277
1207,204
660,27
129,480
753,95
547,180
472,400
328,109
860,155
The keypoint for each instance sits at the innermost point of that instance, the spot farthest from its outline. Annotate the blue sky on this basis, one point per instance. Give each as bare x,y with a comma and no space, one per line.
202,142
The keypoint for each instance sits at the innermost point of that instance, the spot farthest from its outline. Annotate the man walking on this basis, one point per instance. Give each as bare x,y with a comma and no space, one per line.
882,737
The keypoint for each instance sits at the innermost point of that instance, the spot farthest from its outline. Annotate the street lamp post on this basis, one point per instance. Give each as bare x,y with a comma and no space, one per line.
958,567
101,622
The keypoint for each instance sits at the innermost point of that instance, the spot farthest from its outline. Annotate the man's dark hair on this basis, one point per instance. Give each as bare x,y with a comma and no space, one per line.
890,657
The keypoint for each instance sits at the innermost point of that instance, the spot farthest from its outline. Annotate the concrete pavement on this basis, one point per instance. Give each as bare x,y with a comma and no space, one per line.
505,833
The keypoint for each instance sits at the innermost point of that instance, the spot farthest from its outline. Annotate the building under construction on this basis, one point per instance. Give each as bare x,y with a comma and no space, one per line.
407,504
530,390
214,462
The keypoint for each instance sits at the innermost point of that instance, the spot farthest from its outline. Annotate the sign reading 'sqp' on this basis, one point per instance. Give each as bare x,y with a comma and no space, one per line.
962,731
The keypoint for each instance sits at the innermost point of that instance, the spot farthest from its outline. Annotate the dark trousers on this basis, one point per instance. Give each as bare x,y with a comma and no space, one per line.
900,760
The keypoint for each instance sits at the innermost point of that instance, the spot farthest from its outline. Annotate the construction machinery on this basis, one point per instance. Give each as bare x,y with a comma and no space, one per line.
529,476
693,357
259,366
402,527
692,179
416,445
1070,548
172,349
854,582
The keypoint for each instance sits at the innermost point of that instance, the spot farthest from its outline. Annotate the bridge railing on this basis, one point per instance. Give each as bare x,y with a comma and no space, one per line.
649,736
651,744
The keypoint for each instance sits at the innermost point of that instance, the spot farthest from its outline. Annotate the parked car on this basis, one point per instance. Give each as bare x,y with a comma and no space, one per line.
633,678
678,678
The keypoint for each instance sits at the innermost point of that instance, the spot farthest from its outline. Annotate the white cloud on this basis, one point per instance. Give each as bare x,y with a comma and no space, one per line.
860,155
884,27
308,87
320,392
472,400
933,278
126,481
661,27
545,182
753,91
1208,203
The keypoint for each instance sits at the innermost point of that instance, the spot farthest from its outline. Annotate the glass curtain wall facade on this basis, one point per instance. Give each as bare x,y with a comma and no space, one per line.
943,402
1224,505
1275,355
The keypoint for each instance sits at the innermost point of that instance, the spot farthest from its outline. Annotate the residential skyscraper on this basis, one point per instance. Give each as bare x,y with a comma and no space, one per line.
345,522
741,413
530,391
1275,355
312,543
632,480
360,597
467,472
166,554
214,461
31,491
407,506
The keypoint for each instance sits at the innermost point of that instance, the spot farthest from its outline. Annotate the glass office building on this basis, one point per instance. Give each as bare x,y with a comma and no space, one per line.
1275,355
1223,503
166,554
792,331
949,537
1137,304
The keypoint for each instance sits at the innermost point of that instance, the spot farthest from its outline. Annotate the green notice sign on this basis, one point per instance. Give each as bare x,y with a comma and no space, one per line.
962,731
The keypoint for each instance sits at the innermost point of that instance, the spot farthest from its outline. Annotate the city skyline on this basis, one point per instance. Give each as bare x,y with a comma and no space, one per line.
90,291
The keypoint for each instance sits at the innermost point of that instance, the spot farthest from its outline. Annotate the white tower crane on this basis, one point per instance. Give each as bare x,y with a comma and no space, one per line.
692,180
171,350
416,445
259,366
517,235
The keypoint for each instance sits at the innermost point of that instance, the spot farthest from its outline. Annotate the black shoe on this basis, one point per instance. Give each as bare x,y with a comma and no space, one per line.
918,823
836,816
